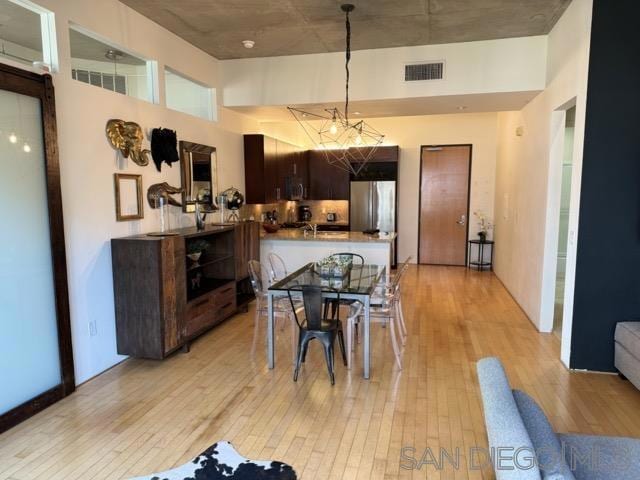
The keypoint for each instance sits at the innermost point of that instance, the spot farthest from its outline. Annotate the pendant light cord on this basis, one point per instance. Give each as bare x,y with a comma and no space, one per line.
346,67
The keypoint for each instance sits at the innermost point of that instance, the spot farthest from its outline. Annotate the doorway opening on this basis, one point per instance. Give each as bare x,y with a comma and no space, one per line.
563,221
445,183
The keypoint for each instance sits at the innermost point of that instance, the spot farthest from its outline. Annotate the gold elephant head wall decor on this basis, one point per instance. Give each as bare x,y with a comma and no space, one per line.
127,137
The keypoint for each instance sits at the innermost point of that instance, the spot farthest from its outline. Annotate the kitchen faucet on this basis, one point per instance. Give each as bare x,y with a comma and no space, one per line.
310,227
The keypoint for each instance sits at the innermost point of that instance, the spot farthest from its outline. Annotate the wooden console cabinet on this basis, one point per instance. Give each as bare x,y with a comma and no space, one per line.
163,300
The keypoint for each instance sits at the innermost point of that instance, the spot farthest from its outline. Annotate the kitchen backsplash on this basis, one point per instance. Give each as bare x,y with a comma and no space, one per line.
288,211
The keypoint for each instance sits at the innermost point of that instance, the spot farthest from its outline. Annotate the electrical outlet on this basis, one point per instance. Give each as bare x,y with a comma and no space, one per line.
93,331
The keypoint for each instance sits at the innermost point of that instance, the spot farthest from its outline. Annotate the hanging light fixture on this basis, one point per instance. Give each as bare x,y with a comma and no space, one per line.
114,56
347,145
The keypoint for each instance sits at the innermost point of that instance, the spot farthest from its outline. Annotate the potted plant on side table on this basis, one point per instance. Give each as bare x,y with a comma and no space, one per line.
484,225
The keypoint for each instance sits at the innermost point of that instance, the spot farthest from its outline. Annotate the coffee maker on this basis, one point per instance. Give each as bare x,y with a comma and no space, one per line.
304,213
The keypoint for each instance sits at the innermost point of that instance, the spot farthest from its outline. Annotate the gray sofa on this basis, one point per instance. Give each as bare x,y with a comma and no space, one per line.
524,446
627,351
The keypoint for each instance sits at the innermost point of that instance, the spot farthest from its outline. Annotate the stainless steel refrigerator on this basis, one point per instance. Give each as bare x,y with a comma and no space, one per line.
373,206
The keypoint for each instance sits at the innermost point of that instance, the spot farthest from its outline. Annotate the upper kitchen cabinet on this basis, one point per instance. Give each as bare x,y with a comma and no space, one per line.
274,170
381,154
326,182
383,164
260,169
293,171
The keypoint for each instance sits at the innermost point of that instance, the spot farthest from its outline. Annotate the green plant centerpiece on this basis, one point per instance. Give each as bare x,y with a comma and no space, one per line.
334,266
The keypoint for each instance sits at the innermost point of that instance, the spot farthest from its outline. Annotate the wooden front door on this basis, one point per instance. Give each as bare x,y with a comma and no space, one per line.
444,204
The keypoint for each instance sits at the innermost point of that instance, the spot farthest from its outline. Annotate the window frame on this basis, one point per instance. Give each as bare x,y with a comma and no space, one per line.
49,39
212,114
151,65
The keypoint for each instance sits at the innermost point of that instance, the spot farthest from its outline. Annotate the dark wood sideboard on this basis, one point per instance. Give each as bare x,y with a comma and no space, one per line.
163,300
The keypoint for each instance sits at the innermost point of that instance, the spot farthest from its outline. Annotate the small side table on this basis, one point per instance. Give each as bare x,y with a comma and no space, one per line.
480,263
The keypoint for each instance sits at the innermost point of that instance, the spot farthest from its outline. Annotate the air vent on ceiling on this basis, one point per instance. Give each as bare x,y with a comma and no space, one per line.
415,72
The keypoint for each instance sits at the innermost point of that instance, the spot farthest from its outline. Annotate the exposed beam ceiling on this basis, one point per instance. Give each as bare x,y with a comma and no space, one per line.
291,27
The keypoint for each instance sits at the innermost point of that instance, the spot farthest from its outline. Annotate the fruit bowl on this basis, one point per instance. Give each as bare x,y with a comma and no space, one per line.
271,227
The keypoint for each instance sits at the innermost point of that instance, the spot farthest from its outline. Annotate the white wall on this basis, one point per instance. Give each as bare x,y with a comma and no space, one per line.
508,65
529,175
88,162
410,133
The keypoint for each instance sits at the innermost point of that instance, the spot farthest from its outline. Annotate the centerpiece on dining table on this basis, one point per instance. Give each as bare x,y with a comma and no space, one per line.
334,266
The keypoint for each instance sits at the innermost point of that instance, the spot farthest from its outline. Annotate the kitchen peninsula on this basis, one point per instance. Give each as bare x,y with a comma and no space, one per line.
298,248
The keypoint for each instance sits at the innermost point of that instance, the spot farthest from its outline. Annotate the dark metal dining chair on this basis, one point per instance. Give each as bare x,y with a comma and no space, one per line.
320,322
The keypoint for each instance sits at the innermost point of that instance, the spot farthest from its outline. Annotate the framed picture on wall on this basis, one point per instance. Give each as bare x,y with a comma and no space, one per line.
128,188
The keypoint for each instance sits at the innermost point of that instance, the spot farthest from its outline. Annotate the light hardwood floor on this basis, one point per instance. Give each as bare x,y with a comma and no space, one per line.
146,416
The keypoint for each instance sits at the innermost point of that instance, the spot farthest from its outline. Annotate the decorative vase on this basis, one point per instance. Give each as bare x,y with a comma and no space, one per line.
163,215
483,236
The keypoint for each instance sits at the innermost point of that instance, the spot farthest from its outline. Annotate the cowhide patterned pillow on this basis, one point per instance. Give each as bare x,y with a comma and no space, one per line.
222,462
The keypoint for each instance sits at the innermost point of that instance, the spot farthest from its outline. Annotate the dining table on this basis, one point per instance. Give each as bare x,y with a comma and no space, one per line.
358,284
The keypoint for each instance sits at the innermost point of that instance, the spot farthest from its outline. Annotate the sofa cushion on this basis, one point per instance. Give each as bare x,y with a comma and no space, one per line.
545,441
602,458
628,335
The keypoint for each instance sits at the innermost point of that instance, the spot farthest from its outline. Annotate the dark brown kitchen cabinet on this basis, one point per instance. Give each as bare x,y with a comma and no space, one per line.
261,169
386,153
293,171
326,181
274,170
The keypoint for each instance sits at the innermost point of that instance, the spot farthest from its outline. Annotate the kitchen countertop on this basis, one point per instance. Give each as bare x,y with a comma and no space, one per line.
322,224
353,237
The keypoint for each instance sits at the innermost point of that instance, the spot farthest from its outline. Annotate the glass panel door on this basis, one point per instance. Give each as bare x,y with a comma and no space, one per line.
29,357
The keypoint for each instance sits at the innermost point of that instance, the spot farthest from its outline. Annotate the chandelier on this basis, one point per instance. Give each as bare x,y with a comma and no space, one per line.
345,144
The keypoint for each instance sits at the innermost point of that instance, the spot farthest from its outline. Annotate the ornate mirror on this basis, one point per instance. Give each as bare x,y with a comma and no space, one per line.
199,176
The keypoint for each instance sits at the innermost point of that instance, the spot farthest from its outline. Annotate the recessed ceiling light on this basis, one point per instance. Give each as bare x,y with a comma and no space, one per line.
462,107
248,43
357,113
538,17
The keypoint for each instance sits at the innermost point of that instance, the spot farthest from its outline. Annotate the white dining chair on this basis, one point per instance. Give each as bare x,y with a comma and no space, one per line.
278,269
386,308
281,305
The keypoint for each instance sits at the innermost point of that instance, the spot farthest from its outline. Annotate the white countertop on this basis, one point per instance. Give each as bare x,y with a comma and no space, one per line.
299,235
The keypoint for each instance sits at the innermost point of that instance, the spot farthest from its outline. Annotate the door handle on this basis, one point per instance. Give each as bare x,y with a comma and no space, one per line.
463,220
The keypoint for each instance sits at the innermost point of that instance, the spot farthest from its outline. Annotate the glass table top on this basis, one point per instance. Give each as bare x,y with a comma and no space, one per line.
360,280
